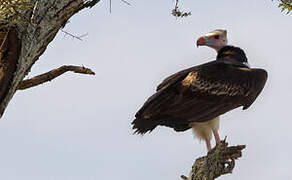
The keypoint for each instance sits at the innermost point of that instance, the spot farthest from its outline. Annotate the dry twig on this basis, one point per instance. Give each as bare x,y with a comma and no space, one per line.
40,79
126,2
74,36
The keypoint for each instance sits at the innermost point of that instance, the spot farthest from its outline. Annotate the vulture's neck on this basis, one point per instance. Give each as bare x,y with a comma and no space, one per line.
232,55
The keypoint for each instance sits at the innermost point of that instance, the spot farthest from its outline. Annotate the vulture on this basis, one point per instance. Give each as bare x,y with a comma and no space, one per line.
197,96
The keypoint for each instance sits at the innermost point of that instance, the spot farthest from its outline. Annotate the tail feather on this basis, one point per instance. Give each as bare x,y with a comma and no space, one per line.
142,125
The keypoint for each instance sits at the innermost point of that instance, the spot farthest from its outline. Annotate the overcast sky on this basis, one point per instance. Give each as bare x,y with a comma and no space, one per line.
77,127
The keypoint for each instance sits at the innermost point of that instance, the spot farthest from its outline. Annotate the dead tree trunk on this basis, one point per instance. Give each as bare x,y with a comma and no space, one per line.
26,29
219,161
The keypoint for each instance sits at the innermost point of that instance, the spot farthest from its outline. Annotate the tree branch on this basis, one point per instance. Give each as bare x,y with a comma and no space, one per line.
31,27
40,79
219,161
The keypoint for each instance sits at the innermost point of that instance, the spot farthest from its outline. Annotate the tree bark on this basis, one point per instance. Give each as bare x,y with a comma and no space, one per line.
24,39
219,161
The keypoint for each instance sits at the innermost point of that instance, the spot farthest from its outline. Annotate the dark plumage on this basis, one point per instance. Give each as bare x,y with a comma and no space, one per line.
201,93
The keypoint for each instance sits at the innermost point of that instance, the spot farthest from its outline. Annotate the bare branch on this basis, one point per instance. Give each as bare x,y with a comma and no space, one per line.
219,161
126,2
110,6
40,79
74,36
176,4
37,23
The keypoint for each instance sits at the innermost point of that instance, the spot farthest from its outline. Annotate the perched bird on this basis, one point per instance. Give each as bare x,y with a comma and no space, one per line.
196,97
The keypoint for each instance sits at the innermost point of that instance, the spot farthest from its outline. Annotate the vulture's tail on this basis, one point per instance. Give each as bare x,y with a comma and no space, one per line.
143,125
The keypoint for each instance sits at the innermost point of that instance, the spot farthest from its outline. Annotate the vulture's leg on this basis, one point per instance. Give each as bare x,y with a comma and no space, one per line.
216,135
208,144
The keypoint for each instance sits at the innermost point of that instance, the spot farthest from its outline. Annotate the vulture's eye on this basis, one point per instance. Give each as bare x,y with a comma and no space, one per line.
216,36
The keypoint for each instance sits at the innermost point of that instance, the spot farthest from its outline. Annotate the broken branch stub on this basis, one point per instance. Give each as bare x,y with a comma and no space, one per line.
219,161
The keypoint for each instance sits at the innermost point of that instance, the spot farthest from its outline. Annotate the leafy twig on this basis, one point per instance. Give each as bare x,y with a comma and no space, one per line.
176,12
285,5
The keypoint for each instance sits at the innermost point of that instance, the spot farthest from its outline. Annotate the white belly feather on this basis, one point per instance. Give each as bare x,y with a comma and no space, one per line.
203,130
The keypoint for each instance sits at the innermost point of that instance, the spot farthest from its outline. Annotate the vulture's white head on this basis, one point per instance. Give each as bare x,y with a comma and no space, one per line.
215,39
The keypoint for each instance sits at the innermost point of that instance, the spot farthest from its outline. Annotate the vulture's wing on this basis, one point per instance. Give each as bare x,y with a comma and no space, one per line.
168,83
181,74
164,87
199,94
175,77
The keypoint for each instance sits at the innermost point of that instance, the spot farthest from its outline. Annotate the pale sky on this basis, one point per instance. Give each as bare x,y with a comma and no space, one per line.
77,127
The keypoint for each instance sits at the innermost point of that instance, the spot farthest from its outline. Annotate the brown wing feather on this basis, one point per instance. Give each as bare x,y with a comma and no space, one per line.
181,74
259,77
175,77
202,93
213,90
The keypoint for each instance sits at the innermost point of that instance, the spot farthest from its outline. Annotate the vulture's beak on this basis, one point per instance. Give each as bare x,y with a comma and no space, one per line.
201,41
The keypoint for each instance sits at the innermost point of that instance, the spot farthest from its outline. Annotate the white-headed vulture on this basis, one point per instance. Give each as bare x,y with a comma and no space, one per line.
196,97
